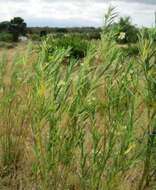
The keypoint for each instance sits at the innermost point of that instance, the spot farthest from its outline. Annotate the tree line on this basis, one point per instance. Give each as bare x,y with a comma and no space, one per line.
124,30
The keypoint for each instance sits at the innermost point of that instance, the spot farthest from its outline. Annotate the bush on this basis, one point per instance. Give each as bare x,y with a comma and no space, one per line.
130,50
78,46
35,37
149,33
6,37
94,36
125,31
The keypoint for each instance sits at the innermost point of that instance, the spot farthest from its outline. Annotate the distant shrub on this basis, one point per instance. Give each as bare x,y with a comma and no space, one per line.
43,33
6,37
94,35
78,46
35,37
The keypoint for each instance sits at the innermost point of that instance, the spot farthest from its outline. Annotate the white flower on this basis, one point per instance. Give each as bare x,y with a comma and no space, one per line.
122,36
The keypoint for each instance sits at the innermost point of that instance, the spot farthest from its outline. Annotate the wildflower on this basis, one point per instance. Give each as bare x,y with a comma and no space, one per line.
122,36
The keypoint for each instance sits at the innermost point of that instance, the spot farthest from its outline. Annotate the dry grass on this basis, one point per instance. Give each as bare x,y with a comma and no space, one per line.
73,127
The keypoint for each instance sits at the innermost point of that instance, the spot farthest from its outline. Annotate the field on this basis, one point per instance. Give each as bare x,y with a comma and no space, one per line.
78,114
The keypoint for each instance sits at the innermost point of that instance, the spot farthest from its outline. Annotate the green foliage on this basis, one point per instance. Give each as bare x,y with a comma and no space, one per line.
17,27
149,33
6,37
147,59
93,36
78,46
122,31
125,31
4,26
130,50
109,18
79,126
84,31
35,37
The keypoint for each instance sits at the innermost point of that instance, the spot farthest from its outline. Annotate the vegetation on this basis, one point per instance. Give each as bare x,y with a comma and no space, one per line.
85,32
89,124
125,31
13,29
17,27
74,43
6,37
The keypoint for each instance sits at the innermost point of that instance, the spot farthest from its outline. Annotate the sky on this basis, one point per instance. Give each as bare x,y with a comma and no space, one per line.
70,13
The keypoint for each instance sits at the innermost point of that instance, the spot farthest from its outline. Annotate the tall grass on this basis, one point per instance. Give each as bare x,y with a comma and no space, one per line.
88,125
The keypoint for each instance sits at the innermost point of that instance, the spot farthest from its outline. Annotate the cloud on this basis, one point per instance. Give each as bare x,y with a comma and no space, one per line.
75,13
152,2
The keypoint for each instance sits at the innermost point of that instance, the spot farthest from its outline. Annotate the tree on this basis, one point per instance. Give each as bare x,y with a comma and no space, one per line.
17,27
4,26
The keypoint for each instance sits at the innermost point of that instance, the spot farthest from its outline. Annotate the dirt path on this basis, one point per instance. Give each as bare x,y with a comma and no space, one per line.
21,47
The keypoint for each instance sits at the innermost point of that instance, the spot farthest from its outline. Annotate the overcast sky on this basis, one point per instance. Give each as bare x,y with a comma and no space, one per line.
69,13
